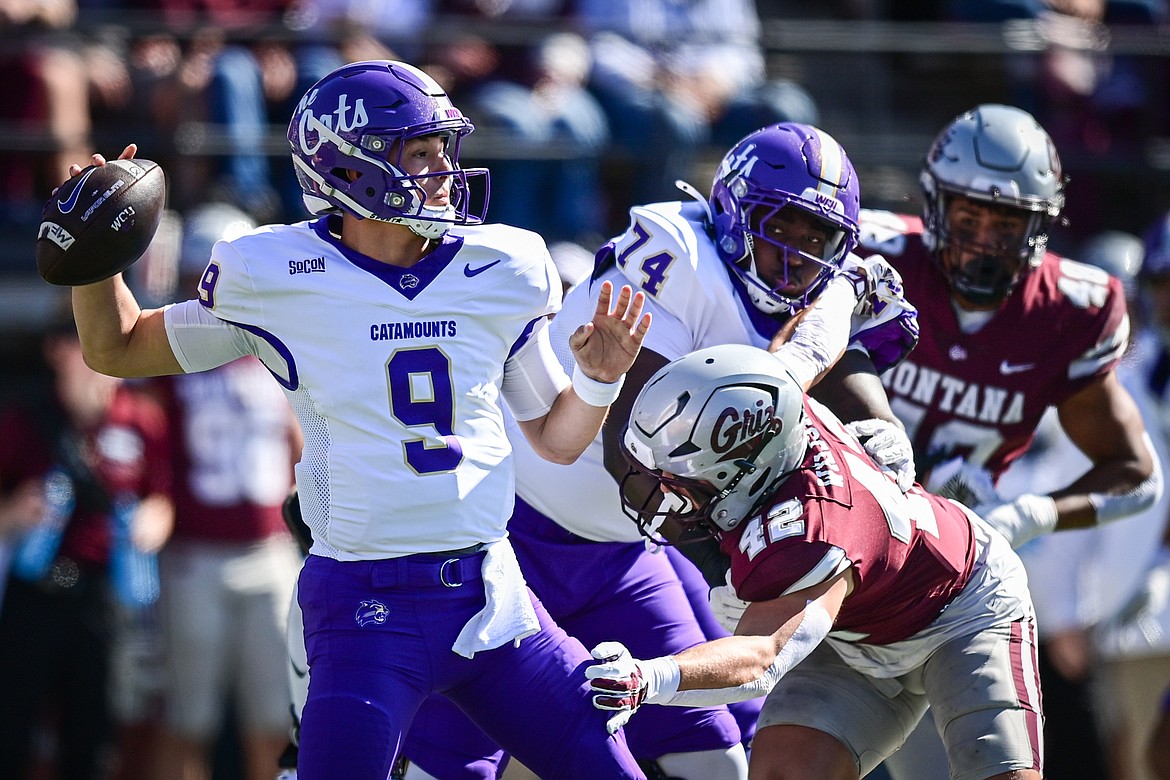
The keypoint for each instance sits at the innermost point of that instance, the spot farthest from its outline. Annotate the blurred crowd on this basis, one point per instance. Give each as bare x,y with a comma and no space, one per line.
583,108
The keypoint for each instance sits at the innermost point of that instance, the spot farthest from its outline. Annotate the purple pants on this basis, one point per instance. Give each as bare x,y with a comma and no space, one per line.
379,637
596,591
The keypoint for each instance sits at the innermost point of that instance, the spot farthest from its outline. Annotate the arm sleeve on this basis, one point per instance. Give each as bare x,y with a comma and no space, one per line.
533,377
200,340
822,334
814,627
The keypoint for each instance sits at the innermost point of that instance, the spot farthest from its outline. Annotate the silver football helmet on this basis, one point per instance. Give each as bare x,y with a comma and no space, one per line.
719,429
998,155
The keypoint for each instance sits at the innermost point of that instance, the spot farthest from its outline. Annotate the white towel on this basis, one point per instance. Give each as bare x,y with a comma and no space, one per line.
508,615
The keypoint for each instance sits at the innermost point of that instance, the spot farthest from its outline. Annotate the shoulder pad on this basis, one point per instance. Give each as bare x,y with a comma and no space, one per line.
666,253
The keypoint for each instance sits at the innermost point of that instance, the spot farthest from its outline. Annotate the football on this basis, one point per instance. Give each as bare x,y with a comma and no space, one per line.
100,222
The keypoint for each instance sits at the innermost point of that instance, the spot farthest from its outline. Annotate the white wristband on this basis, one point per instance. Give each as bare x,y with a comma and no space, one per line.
1110,507
662,677
593,392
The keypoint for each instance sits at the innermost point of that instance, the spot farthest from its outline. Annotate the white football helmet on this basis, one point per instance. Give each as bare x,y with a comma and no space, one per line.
719,429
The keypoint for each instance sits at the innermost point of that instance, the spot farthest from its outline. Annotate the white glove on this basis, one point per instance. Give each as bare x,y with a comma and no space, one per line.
617,683
889,446
1143,608
727,606
621,683
958,480
1022,519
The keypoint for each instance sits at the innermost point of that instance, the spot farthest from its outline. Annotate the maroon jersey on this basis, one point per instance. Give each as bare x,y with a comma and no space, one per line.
911,553
127,453
981,395
233,452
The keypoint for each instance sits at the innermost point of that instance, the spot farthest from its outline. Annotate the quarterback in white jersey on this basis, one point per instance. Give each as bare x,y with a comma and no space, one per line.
395,321
380,380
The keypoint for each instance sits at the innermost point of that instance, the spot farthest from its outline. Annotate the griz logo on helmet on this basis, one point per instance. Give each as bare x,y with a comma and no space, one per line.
371,612
736,432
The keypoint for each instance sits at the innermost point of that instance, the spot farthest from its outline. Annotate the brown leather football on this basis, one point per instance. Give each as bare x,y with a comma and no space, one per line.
100,222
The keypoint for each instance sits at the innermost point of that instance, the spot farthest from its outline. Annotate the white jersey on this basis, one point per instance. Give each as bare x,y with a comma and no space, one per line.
394,373
667,253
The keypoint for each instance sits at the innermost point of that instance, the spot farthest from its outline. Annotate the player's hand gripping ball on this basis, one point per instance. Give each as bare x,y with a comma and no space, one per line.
100,221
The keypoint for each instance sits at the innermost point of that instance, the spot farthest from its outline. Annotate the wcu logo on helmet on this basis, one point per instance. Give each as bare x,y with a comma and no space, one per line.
785,165
347,137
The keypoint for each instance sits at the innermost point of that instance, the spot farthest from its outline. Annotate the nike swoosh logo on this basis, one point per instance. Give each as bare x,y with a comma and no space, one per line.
469,272
1012,368
65,206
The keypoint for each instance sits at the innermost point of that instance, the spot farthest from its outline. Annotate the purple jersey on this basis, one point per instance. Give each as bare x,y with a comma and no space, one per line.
981,395
911,553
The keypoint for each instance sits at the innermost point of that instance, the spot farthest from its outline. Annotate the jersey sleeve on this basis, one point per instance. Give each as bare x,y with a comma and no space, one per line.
1084,286
200,340
533,377
789,566
226,288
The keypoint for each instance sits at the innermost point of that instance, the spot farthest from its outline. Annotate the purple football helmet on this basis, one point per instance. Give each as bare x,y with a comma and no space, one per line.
781,165
357,119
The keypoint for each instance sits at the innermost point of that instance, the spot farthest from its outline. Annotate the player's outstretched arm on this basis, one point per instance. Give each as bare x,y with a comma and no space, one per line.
606,346
772,637
604,349
117,337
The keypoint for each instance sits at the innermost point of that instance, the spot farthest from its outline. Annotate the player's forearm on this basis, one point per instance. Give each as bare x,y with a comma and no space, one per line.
739,668
568,428
820,335
117,337
1111,490
726,663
